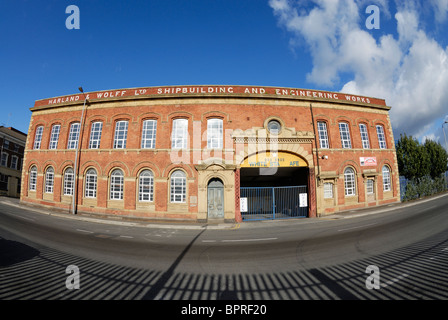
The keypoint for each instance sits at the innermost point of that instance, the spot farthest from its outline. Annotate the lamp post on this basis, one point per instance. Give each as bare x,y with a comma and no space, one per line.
78,146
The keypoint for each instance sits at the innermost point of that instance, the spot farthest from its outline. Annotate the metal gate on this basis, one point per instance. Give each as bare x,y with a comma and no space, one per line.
264,203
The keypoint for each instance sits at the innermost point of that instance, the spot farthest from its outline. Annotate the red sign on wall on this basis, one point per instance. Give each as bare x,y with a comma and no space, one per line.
367,161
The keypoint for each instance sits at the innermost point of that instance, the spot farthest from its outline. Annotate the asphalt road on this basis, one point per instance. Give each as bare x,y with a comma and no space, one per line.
314,259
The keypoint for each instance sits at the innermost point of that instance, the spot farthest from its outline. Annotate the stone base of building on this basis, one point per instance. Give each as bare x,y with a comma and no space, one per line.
114,214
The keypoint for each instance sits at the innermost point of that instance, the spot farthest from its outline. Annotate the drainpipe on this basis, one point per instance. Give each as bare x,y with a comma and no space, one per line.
317,150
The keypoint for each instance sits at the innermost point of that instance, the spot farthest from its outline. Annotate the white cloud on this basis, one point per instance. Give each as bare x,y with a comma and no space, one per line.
409,70
440,9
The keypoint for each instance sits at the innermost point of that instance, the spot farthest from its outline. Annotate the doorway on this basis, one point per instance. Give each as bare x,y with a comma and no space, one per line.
274,185
215,199
278,196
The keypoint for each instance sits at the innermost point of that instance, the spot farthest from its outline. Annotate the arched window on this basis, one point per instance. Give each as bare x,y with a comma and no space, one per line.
90,185
33,178
364,136
54,136
345,135
73,136
381,137
95,135
178,189
49,180
349,182
146,186
149,134
38,137
323,134
214,134
386,179
68,182
179,135
121,134
116,185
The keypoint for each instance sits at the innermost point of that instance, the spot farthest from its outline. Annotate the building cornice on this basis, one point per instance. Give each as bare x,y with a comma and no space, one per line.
212,91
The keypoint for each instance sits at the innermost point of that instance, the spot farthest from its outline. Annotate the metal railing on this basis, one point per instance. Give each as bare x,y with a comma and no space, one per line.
266,203
422,187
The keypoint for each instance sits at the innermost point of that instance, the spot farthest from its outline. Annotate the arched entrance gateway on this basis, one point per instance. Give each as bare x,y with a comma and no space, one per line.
274,185
275,176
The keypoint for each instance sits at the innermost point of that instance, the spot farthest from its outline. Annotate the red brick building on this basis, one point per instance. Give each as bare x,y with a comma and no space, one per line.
210,153
12,149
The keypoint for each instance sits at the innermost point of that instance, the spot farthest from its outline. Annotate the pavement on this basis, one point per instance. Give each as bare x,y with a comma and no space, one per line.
183,224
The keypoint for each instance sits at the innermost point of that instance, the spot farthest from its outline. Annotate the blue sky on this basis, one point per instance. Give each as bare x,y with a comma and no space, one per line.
301,44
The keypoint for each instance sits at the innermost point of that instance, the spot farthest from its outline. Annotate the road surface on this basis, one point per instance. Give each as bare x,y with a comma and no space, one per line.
397,252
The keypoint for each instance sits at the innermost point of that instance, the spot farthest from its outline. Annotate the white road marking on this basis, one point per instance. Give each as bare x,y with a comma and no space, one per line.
366,225
26,218
388,283
239,240
263,239
129,237
86,231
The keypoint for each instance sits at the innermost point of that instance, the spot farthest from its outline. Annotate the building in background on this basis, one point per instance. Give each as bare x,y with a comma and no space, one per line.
12,144
210,153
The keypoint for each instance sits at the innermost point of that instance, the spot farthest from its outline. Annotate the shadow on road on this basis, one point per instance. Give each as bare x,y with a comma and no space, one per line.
12,252
417,271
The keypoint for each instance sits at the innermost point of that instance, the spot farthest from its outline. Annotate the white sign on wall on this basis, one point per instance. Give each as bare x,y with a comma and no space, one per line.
303,200
243,204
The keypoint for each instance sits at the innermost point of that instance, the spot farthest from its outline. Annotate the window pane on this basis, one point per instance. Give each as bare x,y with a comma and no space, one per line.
68,182
328,190
95,135
179,136
116,185
4,161
146,186
121,133
369,186
214,134
381,137
33,179
178,186
364,136
14,162
345,135
73,136
149,134
323,134
54,136
38,137
349,182
386,178
274,127
91,179
49,180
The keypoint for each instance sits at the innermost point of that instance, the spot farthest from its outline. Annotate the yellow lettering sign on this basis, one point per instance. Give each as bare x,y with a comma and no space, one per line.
273,159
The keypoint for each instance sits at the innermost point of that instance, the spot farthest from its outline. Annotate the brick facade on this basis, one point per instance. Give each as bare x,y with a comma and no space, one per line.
12,146
243,112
